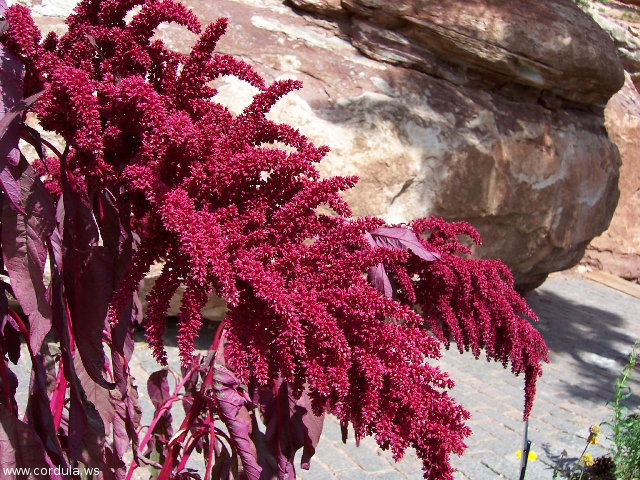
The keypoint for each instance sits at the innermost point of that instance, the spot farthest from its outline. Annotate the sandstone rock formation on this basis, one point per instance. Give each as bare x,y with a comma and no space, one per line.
618,250
488,111
622,23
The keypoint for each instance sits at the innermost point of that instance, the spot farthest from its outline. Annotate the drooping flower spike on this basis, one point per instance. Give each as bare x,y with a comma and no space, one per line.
228,211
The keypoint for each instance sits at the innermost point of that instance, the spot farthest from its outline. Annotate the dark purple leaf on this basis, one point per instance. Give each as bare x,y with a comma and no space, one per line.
11,79
311,428
127,418
9,332
96,394
20,447
222,468
88,304
116,468
378,277
290,426
33,138
235,416
86,430
158,389
10,182
125,395
400,238
8,122
115,231
39,413
88,281
24,252
11,388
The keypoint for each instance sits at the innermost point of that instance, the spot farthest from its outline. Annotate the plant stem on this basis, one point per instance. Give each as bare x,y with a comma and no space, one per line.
194,411
163,408
578,461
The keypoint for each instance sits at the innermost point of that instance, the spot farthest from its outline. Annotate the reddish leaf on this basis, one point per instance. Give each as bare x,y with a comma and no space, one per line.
39,414
11,79
9,333
24,252
158,389
88,281
235,416
8,123
96,394
8,390
86,430
378,277
400,238
10,181
20,447
290,426
127,418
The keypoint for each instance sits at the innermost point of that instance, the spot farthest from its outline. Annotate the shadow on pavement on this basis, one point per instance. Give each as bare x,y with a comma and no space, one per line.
590,329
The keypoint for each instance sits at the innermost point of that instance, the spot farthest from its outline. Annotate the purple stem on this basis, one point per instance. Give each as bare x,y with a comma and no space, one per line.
163,408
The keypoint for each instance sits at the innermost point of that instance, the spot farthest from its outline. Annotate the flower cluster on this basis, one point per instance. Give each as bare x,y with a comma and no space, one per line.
594,434
212,197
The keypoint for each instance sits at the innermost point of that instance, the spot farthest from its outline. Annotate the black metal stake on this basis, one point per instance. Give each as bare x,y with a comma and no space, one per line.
526,446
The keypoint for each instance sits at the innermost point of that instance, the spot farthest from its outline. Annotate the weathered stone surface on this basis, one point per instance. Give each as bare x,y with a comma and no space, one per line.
618,249
330,8
621,20
548,45
631,2
48,8
504,132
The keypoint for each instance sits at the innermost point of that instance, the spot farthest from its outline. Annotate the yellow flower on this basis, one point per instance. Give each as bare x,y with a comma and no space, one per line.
532,455
586,459
594,431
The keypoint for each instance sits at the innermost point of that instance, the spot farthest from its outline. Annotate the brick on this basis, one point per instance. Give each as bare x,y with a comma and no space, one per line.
366,458
336,458
318,471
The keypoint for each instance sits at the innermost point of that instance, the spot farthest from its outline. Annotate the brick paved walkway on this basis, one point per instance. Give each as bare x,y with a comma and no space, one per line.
589,329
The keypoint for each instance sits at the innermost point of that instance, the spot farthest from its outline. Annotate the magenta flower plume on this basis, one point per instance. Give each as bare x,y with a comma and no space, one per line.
208,194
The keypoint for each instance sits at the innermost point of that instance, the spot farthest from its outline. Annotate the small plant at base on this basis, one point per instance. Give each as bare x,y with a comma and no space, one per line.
625,426
625,461
154,169
584,460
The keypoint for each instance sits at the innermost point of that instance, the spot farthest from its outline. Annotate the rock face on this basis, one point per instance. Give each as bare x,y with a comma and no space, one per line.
543,45
488,111
622,23
618,249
